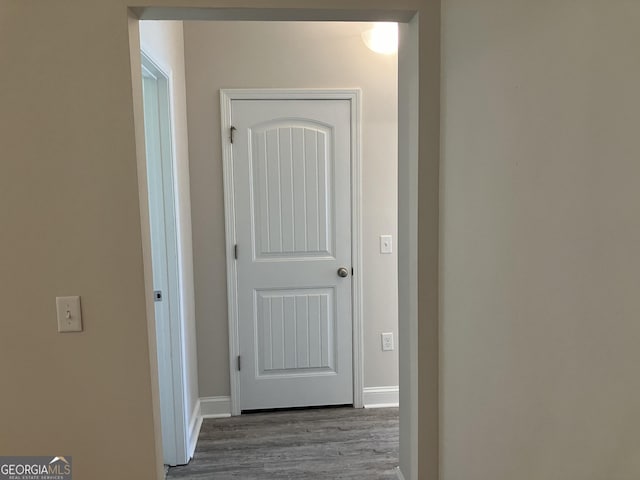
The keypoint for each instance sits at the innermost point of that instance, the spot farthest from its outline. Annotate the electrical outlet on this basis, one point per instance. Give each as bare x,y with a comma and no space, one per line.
386,244
387,341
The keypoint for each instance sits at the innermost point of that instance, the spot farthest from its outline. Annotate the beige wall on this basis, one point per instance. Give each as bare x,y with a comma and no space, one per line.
70,225
540,240
164,43
290,55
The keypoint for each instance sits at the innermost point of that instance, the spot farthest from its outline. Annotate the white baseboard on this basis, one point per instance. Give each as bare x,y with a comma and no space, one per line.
215,407
379,397
194,429
374,397
399,474
206,407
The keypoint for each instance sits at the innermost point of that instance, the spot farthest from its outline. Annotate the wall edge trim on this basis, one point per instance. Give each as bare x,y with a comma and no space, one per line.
195,424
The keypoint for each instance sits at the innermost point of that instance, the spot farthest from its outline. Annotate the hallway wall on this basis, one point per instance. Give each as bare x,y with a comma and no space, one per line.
540,278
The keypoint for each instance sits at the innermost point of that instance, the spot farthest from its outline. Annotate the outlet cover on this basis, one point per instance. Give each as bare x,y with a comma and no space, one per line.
387,341
386,244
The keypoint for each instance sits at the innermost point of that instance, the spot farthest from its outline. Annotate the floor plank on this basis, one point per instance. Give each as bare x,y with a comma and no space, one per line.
334,443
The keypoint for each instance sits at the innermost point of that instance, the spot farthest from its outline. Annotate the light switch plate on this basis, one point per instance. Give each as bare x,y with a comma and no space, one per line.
387,341
69,314
386,244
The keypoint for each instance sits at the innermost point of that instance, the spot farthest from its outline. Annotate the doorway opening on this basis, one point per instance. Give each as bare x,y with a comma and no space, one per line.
151,14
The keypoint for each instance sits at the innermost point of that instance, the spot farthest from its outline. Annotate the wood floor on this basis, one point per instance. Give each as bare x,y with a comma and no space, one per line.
334,443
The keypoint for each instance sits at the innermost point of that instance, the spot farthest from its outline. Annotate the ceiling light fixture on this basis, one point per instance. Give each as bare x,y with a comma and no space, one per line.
382,38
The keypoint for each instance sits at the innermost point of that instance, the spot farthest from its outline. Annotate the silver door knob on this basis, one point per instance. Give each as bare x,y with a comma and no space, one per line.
343,272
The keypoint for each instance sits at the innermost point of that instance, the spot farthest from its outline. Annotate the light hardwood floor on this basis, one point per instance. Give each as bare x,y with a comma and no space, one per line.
333,443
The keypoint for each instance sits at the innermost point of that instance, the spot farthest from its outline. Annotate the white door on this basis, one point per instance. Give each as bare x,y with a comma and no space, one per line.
164,255
292,182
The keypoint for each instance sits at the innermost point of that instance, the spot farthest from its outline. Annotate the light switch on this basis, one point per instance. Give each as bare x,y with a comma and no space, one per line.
69,314
386,244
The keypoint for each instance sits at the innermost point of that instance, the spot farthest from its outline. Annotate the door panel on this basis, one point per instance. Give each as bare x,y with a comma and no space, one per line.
296,332
292,183
292,199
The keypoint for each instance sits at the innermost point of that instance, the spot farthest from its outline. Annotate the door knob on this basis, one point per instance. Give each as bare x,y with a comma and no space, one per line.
343,272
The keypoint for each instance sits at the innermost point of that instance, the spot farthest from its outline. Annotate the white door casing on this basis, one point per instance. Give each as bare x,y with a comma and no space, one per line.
291,185
164,259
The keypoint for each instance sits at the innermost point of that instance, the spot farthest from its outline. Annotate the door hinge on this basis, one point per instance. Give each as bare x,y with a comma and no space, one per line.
352,272
231,131
239,363
235,251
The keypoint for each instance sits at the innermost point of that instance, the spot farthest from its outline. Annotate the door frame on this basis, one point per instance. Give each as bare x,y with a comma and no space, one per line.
419,91
169,336
353,95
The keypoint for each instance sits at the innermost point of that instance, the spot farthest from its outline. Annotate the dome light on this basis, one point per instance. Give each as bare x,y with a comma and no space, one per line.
382,38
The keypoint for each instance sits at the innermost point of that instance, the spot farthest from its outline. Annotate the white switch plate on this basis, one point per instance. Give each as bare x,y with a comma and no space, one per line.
386,244
69,314
387,341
